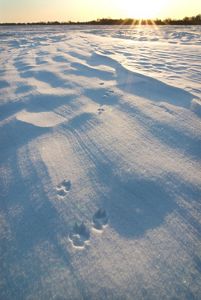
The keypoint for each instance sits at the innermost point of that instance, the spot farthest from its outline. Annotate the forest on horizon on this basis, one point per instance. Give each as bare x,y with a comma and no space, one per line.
195,20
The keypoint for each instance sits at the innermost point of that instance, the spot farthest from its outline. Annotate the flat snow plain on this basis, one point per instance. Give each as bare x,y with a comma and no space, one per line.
100,172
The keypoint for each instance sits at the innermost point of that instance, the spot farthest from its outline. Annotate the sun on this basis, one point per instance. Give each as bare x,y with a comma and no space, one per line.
144,9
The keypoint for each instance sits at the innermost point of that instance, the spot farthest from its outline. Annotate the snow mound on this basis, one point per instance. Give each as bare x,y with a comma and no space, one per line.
40,119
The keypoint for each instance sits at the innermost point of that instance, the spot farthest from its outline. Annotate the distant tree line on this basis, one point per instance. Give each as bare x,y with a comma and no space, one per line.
196,20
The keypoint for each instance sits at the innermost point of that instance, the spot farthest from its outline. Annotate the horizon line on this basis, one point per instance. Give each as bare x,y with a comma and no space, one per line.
111,21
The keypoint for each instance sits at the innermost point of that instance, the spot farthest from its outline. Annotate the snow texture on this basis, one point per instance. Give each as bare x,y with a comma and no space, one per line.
100,172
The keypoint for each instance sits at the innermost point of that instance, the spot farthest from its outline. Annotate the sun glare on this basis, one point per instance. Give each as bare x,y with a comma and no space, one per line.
144,9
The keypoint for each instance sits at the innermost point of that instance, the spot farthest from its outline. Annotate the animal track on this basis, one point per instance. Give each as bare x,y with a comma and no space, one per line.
61,193
108,93
100,219
63,188
79,235
100,110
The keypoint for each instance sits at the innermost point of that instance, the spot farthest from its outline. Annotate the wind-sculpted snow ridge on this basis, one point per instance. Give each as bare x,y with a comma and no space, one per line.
100,163
196,106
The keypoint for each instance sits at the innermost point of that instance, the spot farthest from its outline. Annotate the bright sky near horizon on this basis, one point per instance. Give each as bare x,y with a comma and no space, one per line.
84,10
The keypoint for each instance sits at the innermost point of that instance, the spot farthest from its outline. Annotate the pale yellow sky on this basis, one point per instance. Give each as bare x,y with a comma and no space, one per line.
80,10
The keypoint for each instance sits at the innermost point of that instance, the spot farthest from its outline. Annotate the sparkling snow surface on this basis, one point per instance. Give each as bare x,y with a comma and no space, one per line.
100,171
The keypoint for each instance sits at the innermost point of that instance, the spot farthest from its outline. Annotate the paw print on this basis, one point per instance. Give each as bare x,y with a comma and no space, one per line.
100,219
79,235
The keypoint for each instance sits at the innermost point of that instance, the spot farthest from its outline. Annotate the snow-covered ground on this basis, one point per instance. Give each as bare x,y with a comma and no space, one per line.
100,172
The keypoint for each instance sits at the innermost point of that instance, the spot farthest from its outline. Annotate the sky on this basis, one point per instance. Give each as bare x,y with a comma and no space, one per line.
84,10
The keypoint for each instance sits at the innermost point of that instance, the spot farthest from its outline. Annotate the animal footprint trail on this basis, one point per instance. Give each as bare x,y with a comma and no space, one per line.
79,235
63,188
100,219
